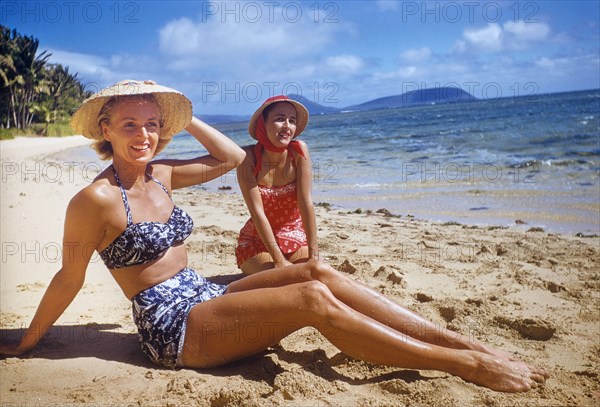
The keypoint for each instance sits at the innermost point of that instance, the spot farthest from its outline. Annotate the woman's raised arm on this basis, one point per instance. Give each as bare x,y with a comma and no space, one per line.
223,156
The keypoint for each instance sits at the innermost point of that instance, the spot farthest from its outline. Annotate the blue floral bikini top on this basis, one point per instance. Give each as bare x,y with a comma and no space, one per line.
144,242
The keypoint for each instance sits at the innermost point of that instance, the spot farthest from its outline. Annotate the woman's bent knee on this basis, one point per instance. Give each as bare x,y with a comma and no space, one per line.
317,297
321,271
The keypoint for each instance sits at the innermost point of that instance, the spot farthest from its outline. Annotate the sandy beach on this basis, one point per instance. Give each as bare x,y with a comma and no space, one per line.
528,291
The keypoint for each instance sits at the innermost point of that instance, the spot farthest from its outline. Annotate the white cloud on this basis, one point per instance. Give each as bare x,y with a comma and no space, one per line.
77,61
85,65
512,35
185,38
573,65
345,64
407,72
219,60
228,43
179,37
545,63
459,47
97,72
529,32
414,55
486,39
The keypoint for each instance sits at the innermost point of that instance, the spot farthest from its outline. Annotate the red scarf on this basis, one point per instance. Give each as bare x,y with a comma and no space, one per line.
263,141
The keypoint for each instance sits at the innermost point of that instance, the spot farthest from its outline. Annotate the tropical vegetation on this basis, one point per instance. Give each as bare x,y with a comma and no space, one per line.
36,97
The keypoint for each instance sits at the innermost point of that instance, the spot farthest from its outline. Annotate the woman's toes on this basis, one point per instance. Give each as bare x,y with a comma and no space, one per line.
540,372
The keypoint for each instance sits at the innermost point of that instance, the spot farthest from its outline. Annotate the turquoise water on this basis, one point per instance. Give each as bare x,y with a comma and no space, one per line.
488,162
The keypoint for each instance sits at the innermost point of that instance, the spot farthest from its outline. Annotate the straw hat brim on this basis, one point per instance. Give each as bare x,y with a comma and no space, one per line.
301,116
176,108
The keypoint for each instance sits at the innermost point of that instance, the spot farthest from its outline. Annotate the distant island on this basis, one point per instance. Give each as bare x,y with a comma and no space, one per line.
416,97
427,96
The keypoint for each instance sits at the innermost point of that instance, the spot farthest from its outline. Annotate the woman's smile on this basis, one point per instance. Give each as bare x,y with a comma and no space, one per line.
141,147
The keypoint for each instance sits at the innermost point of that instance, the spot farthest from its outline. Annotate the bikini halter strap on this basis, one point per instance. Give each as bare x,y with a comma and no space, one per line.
124,194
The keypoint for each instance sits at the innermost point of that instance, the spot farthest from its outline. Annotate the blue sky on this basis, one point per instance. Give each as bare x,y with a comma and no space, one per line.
228,56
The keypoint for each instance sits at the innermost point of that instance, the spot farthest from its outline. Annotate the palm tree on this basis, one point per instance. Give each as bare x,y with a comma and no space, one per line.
57,95
31,89
8,73
23,76
31,68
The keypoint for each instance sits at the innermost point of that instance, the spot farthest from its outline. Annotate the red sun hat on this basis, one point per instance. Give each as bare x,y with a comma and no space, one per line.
301,114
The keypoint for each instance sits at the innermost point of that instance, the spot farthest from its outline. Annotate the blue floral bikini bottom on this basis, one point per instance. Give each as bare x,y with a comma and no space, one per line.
161,312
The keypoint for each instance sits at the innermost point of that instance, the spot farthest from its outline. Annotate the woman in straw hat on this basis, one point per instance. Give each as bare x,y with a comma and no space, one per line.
127,215
275,180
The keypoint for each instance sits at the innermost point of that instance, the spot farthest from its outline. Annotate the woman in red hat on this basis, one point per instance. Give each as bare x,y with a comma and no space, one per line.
275,180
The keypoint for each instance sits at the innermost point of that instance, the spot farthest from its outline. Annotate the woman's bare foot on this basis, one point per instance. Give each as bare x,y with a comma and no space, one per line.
501,374
496,352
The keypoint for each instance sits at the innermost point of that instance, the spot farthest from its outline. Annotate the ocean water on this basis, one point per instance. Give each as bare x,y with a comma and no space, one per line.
532,161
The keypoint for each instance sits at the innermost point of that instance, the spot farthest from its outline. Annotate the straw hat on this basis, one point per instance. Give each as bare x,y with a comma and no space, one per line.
175,107
301,112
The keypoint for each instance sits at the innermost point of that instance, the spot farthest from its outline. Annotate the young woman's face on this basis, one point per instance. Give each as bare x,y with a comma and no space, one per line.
133,129
281,124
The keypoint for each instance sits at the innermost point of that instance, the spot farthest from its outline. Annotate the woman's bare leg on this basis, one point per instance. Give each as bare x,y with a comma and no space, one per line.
299,256
260,262
367,301
241,324
264,261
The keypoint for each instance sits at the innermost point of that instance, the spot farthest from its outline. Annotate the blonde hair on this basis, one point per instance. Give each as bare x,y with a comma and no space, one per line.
104,147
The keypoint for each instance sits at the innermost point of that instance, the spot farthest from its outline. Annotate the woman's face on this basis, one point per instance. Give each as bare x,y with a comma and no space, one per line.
281,124
133,129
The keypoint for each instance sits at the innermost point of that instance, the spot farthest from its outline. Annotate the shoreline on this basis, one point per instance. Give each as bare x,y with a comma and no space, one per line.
487,214
508,205
532,293
23,147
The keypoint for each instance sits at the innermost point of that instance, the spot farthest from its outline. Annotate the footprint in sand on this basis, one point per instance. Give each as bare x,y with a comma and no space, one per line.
31,287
